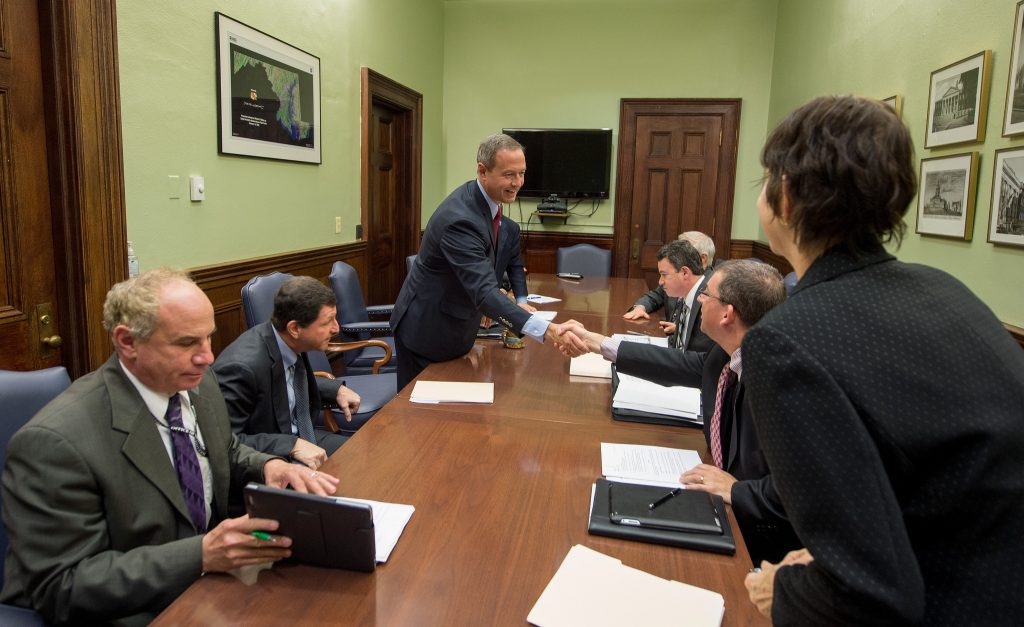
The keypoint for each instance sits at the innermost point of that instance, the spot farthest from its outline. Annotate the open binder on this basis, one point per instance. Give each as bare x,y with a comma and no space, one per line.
601,520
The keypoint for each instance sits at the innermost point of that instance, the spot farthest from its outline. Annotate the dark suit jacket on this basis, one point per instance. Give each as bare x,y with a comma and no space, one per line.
452,283
695,339
98,527
510,257
889,402
252,378
757,507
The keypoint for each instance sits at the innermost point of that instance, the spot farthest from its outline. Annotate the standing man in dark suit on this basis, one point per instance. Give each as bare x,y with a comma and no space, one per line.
509,268
108,492
737,296
452,283
272,396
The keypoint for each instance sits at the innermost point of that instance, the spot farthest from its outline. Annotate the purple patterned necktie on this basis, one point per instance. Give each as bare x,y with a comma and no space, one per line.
190,477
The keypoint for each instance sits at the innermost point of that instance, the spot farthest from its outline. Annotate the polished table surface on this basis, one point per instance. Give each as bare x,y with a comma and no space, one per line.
501,493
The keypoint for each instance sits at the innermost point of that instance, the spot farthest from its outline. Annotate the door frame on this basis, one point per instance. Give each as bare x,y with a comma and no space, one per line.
632,108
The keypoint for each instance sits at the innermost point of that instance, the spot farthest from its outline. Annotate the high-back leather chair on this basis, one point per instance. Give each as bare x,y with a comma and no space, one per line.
355,324
585,259
374,390
22,394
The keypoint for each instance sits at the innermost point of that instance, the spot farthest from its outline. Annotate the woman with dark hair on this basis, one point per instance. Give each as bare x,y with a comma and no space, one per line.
888,399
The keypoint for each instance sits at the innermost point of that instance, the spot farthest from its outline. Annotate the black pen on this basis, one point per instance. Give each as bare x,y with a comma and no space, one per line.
665,498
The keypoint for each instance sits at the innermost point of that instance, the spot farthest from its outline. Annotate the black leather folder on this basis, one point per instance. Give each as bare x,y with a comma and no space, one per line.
602,525
634,415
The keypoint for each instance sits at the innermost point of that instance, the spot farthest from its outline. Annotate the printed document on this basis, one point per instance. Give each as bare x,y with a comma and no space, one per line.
452,392
389,521
647,465
653,340
537,299
643,395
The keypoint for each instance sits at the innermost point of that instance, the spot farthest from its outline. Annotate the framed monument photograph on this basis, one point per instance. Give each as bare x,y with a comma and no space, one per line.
958,101
896,102
1006,218
945,202
268,95
1013,115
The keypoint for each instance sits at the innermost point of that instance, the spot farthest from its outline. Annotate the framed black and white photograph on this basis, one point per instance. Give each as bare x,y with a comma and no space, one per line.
268,95
896,102
1006,219
945,202
958,101
1013,115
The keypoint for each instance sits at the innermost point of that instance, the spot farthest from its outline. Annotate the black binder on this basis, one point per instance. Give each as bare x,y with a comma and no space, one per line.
602,525
634,415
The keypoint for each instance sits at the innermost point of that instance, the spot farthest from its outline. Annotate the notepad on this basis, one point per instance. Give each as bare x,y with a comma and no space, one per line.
389,521
594,589
452,392
590,365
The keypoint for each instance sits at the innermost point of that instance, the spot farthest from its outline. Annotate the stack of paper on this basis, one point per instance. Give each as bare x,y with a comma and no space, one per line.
389,521
590,365
452,392
537,299
546,315
643,395
649,465
653,340
593,589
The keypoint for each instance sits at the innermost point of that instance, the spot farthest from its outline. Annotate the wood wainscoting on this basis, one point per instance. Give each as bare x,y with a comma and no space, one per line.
743,248
223,282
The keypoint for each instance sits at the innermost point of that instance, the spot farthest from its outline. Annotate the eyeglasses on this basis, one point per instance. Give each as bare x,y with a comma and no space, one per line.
706,294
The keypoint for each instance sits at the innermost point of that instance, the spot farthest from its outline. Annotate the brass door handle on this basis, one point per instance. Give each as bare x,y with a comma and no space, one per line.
635,249
53,341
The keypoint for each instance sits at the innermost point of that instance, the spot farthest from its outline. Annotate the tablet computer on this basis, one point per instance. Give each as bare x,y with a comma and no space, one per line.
691,511
325,531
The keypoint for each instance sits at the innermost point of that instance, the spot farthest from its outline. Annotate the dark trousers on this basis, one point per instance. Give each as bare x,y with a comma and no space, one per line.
409,363
328,441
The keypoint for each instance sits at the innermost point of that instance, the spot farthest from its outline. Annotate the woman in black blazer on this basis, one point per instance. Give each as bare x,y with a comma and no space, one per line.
888,399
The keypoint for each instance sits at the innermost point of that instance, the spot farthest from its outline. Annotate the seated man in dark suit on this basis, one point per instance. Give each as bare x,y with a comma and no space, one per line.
737,295
115,494
272,396
656,299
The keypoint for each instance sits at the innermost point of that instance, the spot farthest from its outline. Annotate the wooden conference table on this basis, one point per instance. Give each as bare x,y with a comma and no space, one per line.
501,493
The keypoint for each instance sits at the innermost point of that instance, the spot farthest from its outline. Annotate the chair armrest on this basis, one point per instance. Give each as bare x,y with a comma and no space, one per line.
340,347
380,310
329,423
362,327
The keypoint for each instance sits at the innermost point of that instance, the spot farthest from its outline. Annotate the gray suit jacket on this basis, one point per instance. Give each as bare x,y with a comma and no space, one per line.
98,528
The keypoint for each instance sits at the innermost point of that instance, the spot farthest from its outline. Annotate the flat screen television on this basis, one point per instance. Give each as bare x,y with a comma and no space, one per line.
565,162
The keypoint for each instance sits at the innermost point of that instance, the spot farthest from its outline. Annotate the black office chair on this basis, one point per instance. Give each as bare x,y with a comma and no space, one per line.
22,394
585,259
355,325
374,390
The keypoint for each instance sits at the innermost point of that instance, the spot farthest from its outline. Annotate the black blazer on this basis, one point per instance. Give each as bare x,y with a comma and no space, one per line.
889,402
695,339
252,378
452,283
758,509
510,257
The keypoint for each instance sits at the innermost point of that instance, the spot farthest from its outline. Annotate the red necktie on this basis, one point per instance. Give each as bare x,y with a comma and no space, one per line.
725,381
496,221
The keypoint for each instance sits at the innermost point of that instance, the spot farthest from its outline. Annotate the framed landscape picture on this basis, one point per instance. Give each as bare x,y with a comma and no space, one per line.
896,102
1013,115
945,203
268,95
1006,219
958,101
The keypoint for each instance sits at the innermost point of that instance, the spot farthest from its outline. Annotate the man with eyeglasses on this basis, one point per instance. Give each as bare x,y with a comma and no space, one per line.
736,296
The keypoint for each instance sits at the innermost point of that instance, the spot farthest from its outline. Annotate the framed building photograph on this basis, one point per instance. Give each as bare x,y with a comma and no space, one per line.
958,101
896,102
1013,115
945,202
268,95
1006,219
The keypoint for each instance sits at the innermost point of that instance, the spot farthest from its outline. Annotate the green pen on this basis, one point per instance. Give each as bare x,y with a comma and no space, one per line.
261,535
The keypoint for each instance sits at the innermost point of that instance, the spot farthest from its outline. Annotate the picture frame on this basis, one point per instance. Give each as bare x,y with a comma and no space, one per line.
1013,114
1006,219
896,102
268,95
948,192
958,101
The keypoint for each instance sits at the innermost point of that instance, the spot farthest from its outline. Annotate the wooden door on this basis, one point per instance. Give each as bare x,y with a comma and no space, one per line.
29,322
391,183
676,170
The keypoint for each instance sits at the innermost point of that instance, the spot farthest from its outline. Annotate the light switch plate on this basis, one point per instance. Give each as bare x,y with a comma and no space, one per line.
197,187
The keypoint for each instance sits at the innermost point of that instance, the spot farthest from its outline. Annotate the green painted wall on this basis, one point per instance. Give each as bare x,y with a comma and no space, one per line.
257,207
880,48
566,63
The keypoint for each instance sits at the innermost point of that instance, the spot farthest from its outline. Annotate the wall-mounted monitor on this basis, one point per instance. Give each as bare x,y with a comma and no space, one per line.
565,162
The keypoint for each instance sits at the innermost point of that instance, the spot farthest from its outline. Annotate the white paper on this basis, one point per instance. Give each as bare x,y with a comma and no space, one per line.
590,365
546,315
594,589
650,465
452,392
389,521
541,300
643,395
653,340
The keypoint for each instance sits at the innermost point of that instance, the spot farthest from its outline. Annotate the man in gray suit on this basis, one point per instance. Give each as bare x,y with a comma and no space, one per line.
115,494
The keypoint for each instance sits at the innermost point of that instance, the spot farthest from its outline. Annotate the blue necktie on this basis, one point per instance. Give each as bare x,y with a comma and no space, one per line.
186,462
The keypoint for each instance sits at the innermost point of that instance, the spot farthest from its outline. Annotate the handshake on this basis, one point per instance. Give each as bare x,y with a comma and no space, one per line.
573,339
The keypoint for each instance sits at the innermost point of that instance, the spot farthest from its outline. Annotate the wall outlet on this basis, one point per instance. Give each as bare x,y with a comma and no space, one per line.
173,186
337,225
